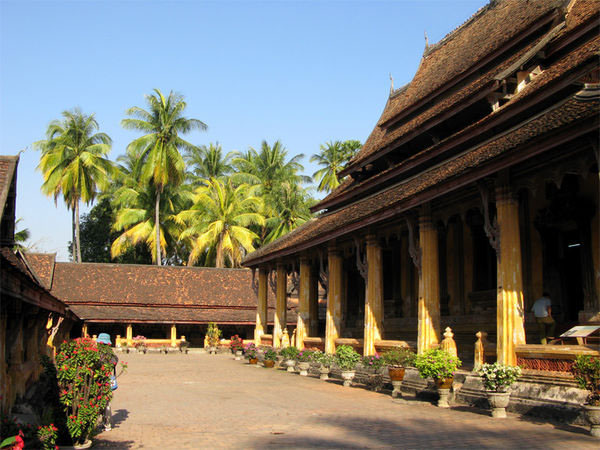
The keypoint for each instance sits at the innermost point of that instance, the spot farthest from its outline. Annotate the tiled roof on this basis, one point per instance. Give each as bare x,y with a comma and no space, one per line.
42,264
8,165
393,198
463,48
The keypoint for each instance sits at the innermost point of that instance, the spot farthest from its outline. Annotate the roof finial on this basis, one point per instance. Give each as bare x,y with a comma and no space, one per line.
391,84
426,40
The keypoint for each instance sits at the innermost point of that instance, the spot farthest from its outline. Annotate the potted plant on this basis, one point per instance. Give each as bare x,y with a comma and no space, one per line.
347,359
496,380
373,365
304,358
184,346
586,371
251,353
84,378
439,365
325,361
289,355
139,342
269,358
237,346
213,334
397,359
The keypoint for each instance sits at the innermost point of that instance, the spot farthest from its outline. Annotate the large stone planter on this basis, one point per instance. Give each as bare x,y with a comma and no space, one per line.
396,377
238,355
303,367
498,402
212,350
324,372
592,414
290,363
348,376
443,387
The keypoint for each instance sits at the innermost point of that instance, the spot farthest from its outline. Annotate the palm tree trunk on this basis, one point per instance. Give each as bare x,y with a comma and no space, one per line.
157,225
219,262
77,240
73,246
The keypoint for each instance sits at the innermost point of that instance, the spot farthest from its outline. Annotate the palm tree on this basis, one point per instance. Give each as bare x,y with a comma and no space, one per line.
159,149
333,157
73,163
220,219
134,203
291,210
208,161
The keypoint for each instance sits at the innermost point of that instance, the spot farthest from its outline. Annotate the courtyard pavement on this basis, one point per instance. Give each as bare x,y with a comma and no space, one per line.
201,401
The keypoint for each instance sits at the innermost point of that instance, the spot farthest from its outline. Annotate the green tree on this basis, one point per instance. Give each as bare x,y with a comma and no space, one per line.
208,162
159,149
291,204
333,156
21,237
220,219
73,162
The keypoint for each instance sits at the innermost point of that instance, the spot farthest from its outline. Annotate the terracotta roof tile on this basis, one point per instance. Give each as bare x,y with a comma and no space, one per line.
562,114
43,266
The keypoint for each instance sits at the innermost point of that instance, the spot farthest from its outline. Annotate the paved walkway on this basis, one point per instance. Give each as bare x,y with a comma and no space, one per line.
201,401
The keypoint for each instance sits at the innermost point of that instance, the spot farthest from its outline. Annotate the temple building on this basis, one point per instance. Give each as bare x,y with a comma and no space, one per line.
477,191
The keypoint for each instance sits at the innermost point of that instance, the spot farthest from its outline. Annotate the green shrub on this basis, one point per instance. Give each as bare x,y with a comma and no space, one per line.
270,354
346,357
399,357
586,371
437,364
290,352
497,377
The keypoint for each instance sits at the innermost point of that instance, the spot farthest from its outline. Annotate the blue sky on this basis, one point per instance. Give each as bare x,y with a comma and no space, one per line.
304,72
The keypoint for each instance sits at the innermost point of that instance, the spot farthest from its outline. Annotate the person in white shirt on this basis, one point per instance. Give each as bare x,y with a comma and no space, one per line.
542,309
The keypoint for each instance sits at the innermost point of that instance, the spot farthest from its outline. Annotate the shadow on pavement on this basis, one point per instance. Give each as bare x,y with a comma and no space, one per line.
119,417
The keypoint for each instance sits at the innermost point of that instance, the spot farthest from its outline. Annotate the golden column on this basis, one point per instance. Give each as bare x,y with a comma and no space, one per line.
302,327
510,314
280,306
129,335
261,308
173,335
334,298
429,285
374,297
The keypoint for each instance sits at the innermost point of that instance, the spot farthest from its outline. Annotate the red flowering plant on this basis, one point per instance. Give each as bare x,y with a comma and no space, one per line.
13,442
47,436
236,344
84,370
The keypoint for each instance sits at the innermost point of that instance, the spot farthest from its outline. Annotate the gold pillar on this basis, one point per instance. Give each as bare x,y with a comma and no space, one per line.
510,314
261,309
129,335
303,302
374,296
84,330
173,336
334,298
429,285
313,304
280,306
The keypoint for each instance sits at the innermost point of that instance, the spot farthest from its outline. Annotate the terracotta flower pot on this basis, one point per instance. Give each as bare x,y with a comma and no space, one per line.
592,414
498,402
269,363
444,383
253,360
396,377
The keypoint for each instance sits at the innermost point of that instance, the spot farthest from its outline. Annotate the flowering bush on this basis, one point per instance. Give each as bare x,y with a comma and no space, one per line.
497,377
47,436
586,371
290,352
270,354
325,359
374,362
13,442
304,356
346,357
437,364
250,351
236,344
139,341
213,334
84,371
399,357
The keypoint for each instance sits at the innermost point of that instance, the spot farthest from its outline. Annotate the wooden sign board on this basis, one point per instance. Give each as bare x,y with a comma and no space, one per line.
580,331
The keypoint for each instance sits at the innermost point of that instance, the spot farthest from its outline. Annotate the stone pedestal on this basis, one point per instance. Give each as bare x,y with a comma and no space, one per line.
443,401
397,392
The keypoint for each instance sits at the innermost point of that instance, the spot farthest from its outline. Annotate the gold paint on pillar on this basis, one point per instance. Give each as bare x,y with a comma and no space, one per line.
303,303
280,306
334,298
374,296
429,286
173,335
510,314
84,330
261,309
129,335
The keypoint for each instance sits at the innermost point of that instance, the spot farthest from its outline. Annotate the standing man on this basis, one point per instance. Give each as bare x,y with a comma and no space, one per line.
542,309
104,339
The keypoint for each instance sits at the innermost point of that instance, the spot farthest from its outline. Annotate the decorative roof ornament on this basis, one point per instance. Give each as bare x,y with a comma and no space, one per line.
391,84
426,40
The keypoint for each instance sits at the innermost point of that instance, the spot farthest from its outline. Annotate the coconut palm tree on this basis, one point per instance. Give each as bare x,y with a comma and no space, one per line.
73,163
220,219
159,149
208,162
333,157
291,210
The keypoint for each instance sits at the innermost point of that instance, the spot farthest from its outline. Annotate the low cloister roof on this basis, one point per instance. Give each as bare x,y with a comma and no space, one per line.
473,63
